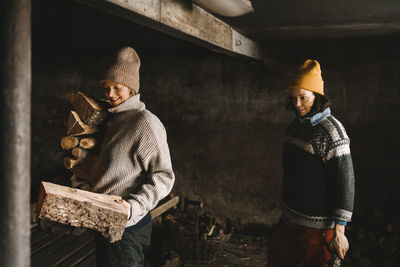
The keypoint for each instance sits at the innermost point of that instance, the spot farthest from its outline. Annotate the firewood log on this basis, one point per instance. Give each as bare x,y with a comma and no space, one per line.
87,142
69,162
164,207
84,168
90,111
80,208
75,126
69,142
79,152
81,171
34,213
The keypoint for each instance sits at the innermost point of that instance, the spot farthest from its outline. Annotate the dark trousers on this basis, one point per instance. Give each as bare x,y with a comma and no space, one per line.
295,245
127,252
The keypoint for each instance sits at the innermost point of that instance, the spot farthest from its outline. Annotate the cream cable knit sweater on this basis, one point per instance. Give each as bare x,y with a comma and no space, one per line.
134,160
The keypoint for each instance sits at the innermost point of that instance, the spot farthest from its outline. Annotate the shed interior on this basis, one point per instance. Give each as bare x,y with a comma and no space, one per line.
226,116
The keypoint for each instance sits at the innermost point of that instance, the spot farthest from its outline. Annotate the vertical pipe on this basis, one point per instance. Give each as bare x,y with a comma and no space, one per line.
15,110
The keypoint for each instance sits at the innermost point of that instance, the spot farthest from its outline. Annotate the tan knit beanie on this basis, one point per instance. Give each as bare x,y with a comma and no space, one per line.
309,77
125,69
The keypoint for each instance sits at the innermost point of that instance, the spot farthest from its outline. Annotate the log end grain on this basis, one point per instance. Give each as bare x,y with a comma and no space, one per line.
80,208
69,142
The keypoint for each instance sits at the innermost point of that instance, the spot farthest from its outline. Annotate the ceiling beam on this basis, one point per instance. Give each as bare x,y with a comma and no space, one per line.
293,33
183,20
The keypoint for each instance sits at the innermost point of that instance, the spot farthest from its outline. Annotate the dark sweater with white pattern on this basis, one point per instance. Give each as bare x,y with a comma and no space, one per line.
318,183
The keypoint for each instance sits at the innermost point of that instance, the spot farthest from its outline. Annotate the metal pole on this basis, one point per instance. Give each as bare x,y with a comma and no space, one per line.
15,111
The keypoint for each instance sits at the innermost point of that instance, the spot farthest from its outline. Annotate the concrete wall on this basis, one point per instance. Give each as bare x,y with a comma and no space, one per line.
225,149
225,120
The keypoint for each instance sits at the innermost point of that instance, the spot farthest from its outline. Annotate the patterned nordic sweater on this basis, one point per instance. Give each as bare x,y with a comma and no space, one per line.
134,160
318,181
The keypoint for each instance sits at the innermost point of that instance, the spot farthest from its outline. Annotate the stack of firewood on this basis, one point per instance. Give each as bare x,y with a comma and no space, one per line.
76,207
83,134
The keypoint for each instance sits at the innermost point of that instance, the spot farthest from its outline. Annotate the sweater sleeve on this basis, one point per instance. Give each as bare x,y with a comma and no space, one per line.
341,179
152,153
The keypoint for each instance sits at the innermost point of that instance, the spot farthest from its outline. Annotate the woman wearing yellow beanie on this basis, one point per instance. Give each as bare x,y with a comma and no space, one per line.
318,179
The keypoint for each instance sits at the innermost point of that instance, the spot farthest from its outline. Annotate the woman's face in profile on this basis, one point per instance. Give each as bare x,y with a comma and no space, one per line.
302,100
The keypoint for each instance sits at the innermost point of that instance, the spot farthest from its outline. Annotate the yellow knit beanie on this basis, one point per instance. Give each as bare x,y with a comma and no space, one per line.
309,77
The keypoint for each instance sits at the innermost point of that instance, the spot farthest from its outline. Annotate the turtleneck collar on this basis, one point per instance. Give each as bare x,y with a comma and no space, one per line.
317,117
133,103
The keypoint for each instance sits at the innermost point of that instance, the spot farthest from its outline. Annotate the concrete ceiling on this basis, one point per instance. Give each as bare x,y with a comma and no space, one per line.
283,21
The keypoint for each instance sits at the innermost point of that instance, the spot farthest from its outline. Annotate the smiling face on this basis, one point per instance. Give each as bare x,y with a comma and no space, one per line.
116,93
302,100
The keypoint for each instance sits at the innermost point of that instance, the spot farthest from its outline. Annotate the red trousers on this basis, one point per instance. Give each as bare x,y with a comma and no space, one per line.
294,245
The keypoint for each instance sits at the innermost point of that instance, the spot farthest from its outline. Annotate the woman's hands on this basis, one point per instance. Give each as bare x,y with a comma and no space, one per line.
340,242
127,206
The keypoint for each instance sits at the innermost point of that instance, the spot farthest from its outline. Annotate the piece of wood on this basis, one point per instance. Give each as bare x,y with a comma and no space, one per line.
63,249
87,142
185,21
69,142
79,208
79,152
82,171
164,207
84,167
34,213
90,111
76,126
70,162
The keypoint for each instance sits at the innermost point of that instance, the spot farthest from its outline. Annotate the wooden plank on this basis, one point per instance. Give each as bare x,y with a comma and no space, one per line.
242,45
61,250
83,251
79,208
164,207
51,254
45,242
183,20
38,236
197,22
89,261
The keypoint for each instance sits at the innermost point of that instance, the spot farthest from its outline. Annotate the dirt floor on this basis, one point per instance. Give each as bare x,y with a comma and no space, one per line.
373,236
242,250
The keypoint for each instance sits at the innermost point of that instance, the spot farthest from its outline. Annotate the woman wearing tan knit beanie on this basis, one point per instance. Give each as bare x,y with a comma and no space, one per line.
134,162
318,179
